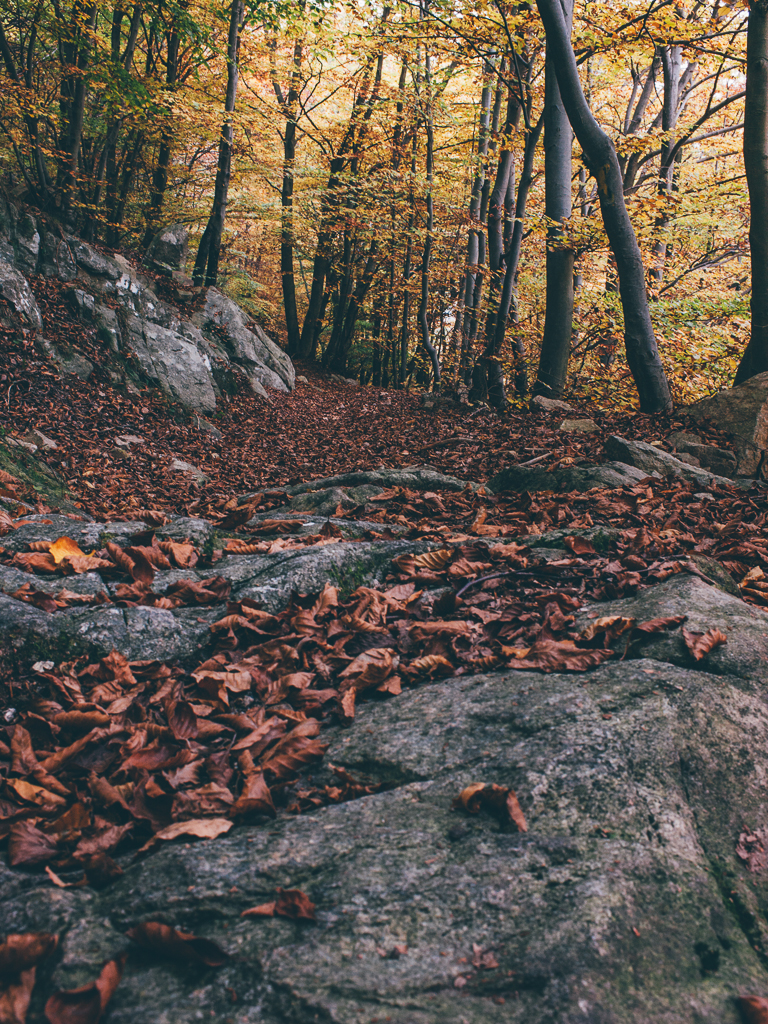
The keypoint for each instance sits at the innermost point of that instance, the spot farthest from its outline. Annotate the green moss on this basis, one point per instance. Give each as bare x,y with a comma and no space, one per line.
30,470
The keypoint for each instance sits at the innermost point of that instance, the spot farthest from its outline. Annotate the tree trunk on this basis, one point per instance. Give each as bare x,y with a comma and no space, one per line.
755,359
558,146
427,254
160,172
207,260
600,155
289,106
672,63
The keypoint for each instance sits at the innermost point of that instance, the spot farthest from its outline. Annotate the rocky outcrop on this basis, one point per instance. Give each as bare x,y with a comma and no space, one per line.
625,899
566,478
741,412
655,461
184,357
168,249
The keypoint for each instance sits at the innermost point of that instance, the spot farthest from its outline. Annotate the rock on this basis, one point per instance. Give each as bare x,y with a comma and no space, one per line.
182,280
224,323
108,326
742,412
67,362
15,290
271,579
418,478
550,404
82,303
93,262
584,426
566,478
29,446
689,460
680,439
27,244
654,460
126,440
207,428
718,460
197,475
37,437
57,258
173,363
635,779
301,379
168,250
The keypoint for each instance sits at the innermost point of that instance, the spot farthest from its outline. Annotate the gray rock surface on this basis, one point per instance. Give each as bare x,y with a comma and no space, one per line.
17,293
579,426
743,413
184,357
653,460
566,478
168,250
173,363
245,342
624,901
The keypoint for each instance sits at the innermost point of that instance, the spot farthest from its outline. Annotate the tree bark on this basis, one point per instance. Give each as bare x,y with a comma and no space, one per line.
207,260
600,155
755,358
672,63
289,106
558,146
160,172
427,254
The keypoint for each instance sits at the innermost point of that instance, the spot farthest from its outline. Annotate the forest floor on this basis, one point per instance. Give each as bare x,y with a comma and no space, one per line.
322,428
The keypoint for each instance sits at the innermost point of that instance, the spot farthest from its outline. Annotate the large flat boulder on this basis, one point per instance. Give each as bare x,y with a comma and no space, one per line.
566,478
743,413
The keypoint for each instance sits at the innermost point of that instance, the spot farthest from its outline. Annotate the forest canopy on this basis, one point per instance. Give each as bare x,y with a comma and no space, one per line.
397,191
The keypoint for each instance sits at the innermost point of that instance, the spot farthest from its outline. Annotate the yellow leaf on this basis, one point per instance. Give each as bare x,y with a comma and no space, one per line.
63,548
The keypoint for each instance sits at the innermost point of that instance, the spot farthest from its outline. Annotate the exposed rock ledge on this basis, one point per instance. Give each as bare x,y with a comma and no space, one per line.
625,900
185,355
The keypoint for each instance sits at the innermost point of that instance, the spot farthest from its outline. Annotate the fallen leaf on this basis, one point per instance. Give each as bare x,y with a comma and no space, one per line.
20,952
754,1009
16,996
700,644
85,1005
500,800
161,938
63,548
27,845
201,828
292,903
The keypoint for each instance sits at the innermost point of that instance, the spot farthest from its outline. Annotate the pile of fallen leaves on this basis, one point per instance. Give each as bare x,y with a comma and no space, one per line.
661,524
21,954
112,755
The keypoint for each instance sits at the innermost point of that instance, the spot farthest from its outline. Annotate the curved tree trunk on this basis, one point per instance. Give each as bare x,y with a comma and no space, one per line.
755,359
600,155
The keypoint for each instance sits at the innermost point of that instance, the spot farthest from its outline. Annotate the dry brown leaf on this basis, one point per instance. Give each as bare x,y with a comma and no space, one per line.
161,938
63,548
754,1009
86,1005
20,952
16,996
700,644
292,903
201,828
500,800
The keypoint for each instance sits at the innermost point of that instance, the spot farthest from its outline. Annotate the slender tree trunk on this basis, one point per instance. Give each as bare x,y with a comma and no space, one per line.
207,260
427,254
160,173
755,359
77,51
558,146
600,155
287,237
672,63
